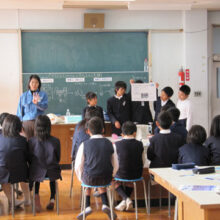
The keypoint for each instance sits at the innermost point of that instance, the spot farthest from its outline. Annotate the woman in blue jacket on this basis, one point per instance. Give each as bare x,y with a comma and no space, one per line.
31,104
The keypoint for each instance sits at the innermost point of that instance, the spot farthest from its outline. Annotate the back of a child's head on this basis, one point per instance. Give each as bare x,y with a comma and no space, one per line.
185,89
164,119
164,108
95,125
2,117
215,126
42,127
196,135
90,95
138,81
174,113
120,84
168,90
11,126
128,128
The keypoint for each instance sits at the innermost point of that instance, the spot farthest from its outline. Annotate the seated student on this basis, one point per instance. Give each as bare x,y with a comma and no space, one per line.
119,107
13,159
163,149
80,133
131,159
91,99
185,106
96,163
163,100
44,157
2,118
194,151
177,126
213,142
140,111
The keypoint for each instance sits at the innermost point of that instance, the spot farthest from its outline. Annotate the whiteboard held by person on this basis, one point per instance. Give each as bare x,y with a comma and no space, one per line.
31,104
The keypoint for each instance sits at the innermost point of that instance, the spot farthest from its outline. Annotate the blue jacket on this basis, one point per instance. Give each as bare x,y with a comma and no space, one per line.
27,110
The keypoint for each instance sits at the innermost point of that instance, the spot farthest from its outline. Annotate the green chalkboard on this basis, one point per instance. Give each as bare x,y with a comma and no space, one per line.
65,91
57,56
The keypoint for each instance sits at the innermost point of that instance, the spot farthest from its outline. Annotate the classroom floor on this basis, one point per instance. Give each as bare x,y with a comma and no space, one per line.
69,207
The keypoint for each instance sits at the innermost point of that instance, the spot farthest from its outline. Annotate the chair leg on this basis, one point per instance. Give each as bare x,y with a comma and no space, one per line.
57,197
135,200
13,200
84,203
149,196
81,198
176,210
169,212
145,195
160,199
110,202
71,185
33,206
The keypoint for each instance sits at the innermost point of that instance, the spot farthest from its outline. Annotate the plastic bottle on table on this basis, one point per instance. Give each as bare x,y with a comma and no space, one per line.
67,112
145,65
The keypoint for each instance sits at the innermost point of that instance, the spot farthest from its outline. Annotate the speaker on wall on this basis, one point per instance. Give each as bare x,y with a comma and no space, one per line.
93,20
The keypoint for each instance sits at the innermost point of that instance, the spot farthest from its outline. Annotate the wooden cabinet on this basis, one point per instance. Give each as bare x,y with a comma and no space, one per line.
65,134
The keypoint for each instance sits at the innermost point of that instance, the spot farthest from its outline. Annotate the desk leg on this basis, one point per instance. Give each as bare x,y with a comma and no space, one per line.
180,209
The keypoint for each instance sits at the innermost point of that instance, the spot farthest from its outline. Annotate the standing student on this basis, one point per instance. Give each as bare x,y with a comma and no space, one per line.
213,142
140,111
80,135
163,149
119,107
185,106
2,118
13,159
131,159
44,157
96,164
31,104
163,100
194,151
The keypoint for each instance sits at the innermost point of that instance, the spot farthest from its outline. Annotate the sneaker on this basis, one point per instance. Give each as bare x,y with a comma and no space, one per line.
50,205
88,211
107,211
129,204
121,206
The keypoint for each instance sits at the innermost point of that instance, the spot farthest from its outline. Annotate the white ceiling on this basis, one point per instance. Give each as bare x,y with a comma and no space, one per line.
112,4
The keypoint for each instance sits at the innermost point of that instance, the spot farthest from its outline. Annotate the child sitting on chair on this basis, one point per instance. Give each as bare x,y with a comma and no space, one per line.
95,164
131,160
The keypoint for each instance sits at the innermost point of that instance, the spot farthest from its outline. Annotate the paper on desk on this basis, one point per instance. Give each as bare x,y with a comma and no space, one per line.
198,188
215,177
143,92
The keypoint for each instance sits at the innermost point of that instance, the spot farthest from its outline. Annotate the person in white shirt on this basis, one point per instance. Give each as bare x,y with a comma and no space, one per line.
185,106
96,164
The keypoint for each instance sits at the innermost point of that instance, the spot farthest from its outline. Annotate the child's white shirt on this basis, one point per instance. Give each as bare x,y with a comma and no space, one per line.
185,108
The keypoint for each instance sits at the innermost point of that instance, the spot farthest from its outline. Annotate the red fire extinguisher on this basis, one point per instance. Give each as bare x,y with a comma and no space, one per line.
181,77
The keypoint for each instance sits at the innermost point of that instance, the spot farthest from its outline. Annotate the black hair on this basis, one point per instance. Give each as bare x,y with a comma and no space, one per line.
185,89
42,127
215,126
196,135
34,77
95,125
128,128
120,84
165,120
174,113
164,108
11,126
138,81
90,95
90,113
2,117
168,90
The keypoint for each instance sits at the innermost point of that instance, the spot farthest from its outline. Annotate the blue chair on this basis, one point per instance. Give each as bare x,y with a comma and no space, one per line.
135,191
83,200
57,197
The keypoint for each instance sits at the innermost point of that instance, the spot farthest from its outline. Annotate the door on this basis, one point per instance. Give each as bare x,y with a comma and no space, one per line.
215,90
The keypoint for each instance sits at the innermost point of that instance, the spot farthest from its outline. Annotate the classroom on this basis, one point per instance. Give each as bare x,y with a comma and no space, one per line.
172,35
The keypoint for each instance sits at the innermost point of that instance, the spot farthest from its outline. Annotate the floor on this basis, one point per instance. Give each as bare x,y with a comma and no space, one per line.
69,207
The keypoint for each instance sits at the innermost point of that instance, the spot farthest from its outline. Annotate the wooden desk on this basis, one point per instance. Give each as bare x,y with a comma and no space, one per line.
65,134
192,205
